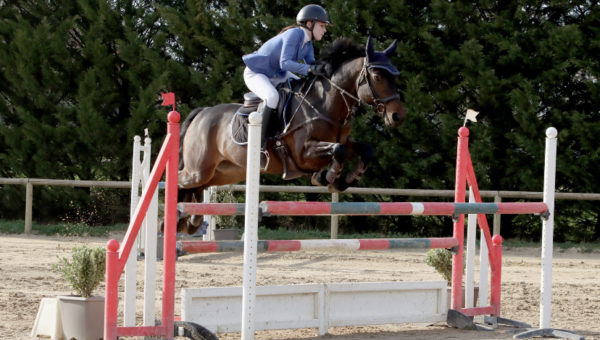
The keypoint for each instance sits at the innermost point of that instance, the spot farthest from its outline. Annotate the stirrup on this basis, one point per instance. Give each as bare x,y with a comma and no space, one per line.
267,158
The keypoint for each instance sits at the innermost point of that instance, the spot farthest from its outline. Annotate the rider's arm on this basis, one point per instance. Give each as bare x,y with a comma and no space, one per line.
292,41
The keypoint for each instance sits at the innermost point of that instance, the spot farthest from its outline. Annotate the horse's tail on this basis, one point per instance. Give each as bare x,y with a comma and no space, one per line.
184,127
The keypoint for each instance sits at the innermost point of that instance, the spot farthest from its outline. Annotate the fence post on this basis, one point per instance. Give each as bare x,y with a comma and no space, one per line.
28,206
335,219
497,217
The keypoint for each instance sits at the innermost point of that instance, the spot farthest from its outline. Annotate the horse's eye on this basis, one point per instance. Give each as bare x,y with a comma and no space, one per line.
377,77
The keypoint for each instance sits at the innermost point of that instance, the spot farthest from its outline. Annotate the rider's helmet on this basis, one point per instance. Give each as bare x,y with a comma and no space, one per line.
312,12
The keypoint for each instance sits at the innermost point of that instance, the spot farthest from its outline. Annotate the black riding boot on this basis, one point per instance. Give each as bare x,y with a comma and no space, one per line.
266,116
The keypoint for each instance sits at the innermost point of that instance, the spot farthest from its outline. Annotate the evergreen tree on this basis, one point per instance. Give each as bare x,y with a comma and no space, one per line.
76,75
79,78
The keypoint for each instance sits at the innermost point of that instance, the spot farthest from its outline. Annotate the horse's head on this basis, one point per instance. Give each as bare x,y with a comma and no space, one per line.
377,85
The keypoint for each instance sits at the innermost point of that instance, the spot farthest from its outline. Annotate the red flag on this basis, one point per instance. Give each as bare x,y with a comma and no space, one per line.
168,99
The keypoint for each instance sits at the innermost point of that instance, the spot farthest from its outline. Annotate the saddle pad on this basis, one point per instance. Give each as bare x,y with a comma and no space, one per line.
239,121
239,128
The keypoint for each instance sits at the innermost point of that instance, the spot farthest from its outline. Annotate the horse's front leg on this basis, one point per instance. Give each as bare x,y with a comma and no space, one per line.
334,152
365,153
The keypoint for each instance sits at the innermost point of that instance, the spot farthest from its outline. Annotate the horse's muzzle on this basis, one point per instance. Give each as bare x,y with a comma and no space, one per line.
395,119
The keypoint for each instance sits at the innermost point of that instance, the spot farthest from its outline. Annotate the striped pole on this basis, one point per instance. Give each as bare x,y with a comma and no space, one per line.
397,208
188,247
221,209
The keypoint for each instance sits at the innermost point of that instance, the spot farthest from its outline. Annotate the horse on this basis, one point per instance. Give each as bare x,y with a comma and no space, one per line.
314,140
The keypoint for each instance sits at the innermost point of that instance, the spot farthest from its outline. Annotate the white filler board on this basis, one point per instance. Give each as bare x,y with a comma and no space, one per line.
318,305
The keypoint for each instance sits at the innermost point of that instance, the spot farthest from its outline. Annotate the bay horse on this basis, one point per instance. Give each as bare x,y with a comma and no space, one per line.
314,140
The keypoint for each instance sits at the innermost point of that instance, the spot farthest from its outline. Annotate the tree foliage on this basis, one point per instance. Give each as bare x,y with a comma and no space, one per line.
78,79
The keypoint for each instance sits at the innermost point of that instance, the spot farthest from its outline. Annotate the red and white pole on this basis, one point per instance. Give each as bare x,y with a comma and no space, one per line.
462,156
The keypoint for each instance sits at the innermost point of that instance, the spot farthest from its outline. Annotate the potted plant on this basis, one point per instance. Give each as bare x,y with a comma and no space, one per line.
82,314
441,261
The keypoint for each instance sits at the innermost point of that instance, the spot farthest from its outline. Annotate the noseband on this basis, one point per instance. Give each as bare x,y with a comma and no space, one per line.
379,102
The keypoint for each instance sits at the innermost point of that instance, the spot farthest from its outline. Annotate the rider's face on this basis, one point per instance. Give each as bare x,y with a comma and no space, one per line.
319,30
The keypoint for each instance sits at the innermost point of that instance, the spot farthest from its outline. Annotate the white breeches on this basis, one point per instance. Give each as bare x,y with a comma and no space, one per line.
264,87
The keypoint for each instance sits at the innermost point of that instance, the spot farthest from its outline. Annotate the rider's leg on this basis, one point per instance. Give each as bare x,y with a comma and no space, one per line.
266,113
263,87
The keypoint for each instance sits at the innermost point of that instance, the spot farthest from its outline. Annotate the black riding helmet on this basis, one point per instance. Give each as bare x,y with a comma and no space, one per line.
312,12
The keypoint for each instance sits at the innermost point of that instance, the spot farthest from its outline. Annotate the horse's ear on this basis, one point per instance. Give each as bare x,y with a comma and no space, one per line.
370,51
391,49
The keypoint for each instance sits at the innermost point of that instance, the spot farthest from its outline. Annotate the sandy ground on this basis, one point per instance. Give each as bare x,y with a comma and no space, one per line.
26,277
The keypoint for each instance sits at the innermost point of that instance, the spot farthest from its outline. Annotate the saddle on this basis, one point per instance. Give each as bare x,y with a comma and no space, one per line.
277,123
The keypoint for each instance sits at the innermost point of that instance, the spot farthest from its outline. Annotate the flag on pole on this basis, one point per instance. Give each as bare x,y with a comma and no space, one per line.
471,115
168,99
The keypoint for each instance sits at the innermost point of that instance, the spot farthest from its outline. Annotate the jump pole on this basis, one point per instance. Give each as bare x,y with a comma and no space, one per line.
464,174
251,226
547,248
548,229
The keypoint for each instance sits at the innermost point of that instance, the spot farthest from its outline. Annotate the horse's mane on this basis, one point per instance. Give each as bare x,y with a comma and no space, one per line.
340,51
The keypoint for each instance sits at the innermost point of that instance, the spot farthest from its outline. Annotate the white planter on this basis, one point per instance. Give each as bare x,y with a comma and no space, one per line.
227,234
82,318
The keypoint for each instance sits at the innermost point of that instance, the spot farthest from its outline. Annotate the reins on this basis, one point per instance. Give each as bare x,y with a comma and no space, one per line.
364,74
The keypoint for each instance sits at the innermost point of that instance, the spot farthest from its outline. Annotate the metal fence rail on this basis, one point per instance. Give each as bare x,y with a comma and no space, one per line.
497,195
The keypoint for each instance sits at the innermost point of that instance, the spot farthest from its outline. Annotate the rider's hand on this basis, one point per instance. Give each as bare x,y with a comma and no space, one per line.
320,70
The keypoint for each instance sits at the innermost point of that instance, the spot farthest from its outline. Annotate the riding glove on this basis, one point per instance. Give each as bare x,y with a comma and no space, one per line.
321,70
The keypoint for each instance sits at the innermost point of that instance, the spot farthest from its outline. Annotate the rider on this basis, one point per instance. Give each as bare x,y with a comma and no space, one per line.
274,62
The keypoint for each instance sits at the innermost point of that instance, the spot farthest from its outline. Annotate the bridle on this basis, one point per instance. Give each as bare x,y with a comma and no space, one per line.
364,75
380,103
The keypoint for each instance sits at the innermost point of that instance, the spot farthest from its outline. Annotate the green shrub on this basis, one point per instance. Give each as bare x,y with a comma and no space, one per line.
85,271
441,261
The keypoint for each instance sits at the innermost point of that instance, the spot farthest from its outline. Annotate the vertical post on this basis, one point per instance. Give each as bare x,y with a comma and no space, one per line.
471,250
548,229
111,299
251,226
459,224
170,232
335,219
497,217
131,264
208,196
483,270
496,276
150,229
28,206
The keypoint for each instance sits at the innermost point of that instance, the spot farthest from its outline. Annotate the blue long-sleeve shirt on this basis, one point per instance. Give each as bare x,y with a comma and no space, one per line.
282,53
